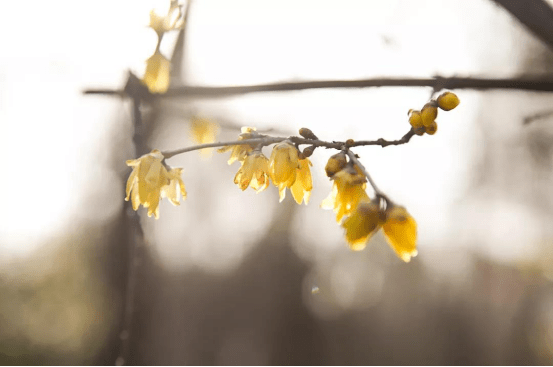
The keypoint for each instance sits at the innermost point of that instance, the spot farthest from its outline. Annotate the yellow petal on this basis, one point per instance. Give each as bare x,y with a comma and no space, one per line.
362,224
157,74
130,182
284,163
301,189
330,200
135,197
400,230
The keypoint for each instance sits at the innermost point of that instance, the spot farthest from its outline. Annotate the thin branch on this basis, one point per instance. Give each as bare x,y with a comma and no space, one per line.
268,140
536,84
538,116
354,159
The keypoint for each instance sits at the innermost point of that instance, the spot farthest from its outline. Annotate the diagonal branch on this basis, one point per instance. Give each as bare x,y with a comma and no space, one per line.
536,15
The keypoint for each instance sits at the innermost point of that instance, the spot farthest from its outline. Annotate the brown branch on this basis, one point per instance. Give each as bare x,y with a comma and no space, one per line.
536,15
264,140
536,84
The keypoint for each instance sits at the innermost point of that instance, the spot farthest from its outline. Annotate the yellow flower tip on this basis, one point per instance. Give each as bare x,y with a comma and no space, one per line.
247,130
253,173
157,74
429,113
335,163
432,128
172,21
149,181
175,189
406,257
301,189
415,119
400,230
448,101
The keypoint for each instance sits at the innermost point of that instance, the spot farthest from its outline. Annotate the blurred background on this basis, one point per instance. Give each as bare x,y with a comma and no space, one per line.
233,277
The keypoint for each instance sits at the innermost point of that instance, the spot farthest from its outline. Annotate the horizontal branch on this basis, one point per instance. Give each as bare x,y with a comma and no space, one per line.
537,84
268,140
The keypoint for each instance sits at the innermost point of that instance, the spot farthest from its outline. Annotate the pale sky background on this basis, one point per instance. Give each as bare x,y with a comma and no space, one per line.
52,135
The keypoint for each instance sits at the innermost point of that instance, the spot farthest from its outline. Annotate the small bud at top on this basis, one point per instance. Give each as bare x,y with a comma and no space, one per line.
350,142
307,133
448,101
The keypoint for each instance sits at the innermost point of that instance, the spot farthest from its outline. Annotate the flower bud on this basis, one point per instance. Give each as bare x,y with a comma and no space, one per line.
420,130
448,101
432,128
429,113
335,164
308,151
415,119
307,133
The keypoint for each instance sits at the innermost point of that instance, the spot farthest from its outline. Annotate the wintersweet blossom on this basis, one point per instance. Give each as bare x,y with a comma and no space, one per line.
283,166
362,224
240,152
253,172
348,190
400,230
169,22
149,181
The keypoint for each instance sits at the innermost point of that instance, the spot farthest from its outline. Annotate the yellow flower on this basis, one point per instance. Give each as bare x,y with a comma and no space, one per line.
301,189
171,21
347,192
156,76
400,230
253,172
429,113
203,131
175,189
448,101
362,224
283,166
150,180
239,152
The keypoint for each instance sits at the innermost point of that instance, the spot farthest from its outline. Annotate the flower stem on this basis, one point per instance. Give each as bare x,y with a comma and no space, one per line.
268,140
354,159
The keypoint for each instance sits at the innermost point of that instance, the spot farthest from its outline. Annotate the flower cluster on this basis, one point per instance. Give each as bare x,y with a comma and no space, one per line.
158,67
289,168
424,121
362,217
150,181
